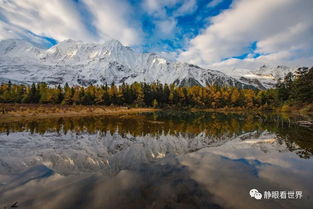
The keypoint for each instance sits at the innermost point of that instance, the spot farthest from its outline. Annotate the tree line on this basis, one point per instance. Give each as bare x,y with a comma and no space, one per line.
295,87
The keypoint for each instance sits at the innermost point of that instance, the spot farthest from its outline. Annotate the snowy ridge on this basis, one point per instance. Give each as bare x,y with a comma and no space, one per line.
79,63
263,77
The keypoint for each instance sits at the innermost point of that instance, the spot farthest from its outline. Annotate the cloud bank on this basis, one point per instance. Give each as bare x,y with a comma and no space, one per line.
266,31
90,20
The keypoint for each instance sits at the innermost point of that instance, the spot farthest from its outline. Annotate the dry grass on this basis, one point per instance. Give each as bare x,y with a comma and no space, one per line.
229,110
32,111
20,111
298,108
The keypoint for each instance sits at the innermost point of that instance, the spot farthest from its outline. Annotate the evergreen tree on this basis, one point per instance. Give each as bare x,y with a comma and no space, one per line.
295,88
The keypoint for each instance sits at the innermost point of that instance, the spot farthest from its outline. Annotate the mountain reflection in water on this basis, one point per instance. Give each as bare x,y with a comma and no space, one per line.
157,160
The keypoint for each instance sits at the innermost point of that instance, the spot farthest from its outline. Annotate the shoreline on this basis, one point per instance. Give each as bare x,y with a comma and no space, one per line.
16,112
292,109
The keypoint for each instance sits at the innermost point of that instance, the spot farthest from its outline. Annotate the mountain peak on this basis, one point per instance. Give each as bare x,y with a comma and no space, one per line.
80,63
17,47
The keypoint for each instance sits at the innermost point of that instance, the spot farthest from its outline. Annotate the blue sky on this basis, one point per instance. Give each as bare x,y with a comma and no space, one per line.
209,33
187,26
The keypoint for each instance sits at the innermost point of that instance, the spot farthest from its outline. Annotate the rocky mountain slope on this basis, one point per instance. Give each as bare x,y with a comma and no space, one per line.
79,63
263,77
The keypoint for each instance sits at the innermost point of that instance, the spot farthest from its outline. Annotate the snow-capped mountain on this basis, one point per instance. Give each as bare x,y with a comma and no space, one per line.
263,77
79,63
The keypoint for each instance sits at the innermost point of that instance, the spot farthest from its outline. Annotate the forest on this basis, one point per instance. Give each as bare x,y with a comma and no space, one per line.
294,88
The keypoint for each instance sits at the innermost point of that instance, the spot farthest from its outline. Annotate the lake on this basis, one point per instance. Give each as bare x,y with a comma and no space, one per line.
157,160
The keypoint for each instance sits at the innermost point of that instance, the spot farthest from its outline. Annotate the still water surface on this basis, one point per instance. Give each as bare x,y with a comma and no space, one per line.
156,160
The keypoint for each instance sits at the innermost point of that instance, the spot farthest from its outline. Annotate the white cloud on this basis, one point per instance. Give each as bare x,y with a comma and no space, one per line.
57,19
158,8
8,31
62,20
274,59
164,14
112,17
280,27
187,7
180,7
214,3
166,27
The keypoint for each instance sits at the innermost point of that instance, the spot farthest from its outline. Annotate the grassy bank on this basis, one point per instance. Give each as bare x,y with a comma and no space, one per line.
296,108
32,111
19,111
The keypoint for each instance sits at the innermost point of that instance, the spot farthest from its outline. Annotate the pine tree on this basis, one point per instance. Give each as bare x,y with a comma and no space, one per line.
139,95
68,94
155,103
